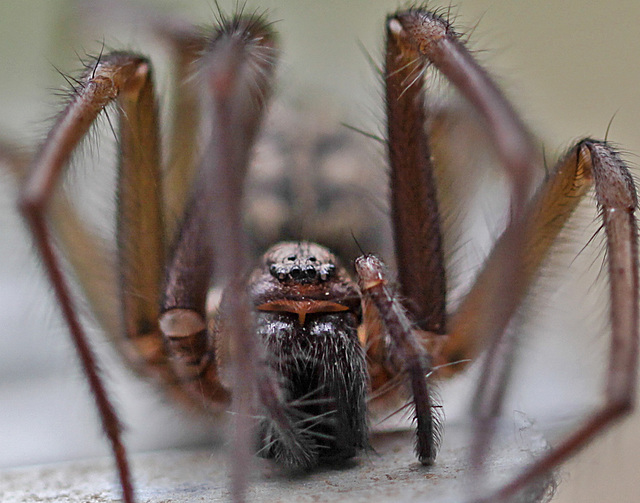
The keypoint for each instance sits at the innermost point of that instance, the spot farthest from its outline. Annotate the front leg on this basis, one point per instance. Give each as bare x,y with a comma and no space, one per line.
414,202
417,39
236,71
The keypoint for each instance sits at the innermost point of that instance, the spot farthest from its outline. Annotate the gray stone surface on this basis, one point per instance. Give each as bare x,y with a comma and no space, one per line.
389,473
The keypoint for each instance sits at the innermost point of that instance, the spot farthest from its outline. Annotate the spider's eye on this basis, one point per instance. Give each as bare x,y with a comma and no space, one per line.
312,258
292,257
296,272
310,272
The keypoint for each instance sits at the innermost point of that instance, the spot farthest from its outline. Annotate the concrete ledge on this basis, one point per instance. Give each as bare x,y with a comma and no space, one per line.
390,473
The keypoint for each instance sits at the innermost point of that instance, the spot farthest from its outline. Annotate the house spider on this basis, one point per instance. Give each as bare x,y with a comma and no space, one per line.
171,336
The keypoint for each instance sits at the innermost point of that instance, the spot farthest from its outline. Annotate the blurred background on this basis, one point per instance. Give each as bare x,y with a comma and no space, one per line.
570,67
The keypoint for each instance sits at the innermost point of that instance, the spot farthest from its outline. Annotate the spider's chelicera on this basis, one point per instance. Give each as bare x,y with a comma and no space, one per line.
296,342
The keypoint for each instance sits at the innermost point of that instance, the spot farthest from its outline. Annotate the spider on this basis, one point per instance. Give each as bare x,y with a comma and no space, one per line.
301,287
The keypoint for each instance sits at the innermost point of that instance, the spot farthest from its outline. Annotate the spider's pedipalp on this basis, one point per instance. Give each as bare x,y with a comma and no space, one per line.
405,352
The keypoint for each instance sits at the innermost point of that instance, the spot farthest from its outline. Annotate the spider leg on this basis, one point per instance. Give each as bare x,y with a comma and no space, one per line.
92,262
504,280
236,69
418,250
417,38
186,45
126,78
94,266
544,218
589,162
414,207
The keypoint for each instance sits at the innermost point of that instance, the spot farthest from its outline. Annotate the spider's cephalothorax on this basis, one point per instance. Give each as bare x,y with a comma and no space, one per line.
308,316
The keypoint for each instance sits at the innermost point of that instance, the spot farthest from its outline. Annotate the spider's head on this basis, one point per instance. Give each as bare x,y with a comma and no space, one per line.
301,262
302,278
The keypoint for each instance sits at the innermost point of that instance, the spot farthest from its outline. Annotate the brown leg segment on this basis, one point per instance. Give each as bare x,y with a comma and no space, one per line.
544,218
187,45
501,286
417,38
236,68
140,226
414,202
116,75
617,199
